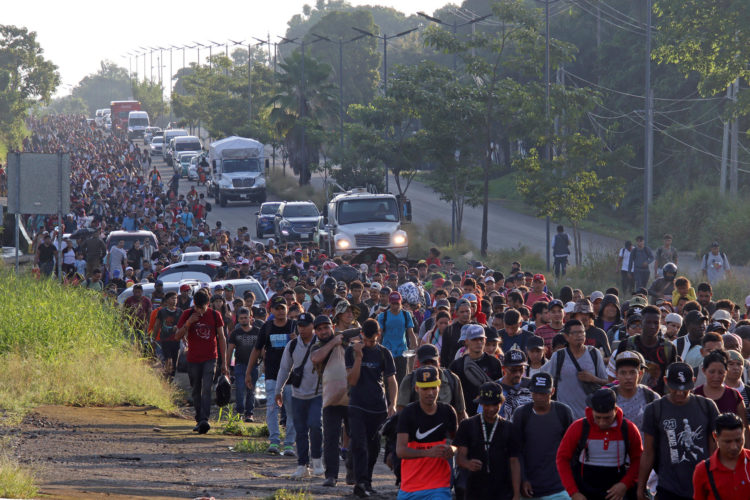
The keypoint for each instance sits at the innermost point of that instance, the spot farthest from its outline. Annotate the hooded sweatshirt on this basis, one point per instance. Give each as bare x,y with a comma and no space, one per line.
606,450
608,299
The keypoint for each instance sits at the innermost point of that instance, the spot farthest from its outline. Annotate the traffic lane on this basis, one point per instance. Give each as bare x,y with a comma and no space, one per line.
234,216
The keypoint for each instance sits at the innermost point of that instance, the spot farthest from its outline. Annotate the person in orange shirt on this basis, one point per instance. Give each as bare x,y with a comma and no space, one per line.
725,475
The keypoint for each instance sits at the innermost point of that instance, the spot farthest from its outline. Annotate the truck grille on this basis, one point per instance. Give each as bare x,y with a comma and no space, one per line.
306,227
243,183
373,240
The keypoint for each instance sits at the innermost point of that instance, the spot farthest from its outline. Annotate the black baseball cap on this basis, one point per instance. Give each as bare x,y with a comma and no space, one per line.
427,376
329,282
321,320
427,352
305,319
680,377
535,342
541,383
277,300
490,393
515,357
556,303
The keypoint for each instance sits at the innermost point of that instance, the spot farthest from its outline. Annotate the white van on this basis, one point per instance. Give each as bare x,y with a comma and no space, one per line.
170,134
137,123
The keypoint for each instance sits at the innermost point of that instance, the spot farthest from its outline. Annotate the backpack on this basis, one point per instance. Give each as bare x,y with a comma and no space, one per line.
711,480
630,345
561,358
583,445
649,395
704,261
406,321
524,413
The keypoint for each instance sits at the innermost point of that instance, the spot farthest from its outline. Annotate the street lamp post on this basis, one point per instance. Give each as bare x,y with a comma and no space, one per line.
385,39
454,27
341,43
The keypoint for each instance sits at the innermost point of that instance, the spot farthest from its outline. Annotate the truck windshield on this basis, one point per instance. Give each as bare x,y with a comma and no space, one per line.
187,146
234,165
367,210
138,122
301,211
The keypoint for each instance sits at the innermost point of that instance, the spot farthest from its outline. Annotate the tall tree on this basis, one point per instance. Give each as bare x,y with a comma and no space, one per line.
305,100
26,78
109,83
151,97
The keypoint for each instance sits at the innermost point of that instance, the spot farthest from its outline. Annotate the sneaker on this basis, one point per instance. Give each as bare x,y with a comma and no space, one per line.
288,451
350,476
370,490
273,449
302,472
360,491
196,428
249,418
318,468
329,482
204,427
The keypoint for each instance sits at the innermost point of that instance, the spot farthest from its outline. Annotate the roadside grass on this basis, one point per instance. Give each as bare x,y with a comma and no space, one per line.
250,446
16,481
284,494
66,346
234,426
288,188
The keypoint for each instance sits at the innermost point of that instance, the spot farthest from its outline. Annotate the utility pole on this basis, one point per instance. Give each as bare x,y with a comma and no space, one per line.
649,139
725,149
454,27
548,148
735,144
385,39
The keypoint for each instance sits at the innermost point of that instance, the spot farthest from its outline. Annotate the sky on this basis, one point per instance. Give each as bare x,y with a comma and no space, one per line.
78,34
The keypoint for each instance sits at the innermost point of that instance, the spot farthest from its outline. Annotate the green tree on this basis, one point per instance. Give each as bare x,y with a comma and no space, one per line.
26,78
305,100
66,105
151,97
361,59
709,37
109,83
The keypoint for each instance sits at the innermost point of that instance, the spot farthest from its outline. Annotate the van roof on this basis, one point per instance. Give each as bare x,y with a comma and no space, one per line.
186,138
175,131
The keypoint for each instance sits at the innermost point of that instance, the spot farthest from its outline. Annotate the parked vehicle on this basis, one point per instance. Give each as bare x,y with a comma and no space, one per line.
130,237
357,220
236,170
156,145
201,270
148,289
264,218
149,134
191,256
241,285
297,221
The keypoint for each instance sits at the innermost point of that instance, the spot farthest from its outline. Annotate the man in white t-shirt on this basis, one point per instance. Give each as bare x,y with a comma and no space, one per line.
623,263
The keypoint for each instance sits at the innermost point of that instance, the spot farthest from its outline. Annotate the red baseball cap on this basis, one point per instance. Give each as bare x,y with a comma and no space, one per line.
539,277
394,297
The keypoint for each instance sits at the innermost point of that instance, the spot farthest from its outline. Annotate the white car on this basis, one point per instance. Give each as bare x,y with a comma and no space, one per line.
190,256
156,145
148,289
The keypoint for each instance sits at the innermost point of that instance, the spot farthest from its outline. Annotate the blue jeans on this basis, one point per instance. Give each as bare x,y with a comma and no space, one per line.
272,415
244,397
201,376
307,415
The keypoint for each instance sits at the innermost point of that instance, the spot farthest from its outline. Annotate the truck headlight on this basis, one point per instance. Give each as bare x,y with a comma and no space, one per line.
399,239
343,244
260,181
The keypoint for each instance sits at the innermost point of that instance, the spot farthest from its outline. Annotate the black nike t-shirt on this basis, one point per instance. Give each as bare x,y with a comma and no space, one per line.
426,431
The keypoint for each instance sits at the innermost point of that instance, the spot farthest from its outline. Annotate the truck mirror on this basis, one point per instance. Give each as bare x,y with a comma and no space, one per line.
268,164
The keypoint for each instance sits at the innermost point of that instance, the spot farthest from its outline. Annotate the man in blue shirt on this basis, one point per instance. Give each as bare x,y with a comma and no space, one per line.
396,324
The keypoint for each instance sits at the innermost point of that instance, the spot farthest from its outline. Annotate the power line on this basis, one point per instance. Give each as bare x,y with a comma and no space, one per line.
602,13
607,20
700,99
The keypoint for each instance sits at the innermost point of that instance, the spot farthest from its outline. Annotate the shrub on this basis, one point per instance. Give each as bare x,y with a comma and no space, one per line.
15,481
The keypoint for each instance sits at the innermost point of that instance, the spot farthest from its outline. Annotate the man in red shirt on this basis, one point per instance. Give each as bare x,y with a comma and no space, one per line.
139,309
537,293
204,329
728,466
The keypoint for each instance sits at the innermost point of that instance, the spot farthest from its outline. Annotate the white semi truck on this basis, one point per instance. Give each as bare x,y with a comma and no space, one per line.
236,170
357,220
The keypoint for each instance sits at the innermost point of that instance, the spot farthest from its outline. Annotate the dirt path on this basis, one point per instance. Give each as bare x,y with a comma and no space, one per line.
132,452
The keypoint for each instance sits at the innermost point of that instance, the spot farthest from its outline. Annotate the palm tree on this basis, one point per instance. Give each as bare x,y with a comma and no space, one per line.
306,100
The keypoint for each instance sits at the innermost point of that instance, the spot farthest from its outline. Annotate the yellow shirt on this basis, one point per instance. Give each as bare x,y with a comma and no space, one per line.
676,295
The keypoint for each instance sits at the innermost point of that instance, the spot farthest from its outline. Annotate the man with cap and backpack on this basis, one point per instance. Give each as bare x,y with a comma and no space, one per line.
600,454
397,326
677,436
489,449
632,397
475,367
540,427
296,369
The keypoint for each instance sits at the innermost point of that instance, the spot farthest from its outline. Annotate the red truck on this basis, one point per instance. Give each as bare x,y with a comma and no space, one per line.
120,111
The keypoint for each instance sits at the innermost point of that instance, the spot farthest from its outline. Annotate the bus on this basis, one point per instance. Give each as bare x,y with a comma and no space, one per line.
120,110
